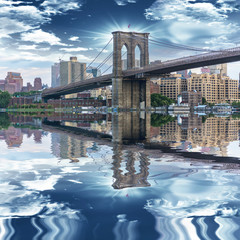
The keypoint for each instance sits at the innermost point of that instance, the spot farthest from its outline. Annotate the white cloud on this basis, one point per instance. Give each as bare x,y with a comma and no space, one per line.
39,36
74,39
27,47
28,17
124,2
10,26
77,49
184,10
188,21
60,6
9,2
44,49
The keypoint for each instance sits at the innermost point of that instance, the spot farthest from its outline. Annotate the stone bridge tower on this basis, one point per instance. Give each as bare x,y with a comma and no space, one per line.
130,92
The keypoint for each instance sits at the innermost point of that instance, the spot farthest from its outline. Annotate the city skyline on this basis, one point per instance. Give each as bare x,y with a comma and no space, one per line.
35,34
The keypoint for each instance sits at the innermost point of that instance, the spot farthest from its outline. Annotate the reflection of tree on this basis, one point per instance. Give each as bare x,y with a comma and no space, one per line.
4,121
130,178
158,120
236,116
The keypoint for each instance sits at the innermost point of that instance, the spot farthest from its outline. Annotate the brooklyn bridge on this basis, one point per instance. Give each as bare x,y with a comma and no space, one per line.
131,87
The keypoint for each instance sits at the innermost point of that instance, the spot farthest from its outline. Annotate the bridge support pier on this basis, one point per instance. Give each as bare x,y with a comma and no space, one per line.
131,93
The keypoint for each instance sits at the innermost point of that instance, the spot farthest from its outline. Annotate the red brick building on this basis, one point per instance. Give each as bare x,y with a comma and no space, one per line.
69,103
154,88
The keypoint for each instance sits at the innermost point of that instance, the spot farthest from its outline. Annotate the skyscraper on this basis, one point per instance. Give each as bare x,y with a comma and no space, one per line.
72,71
37,84
55,75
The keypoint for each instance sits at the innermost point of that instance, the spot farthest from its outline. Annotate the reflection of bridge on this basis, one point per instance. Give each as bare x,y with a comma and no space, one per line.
126,133
131,88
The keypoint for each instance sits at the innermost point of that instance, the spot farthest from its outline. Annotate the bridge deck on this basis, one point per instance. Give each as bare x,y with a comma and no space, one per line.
229,55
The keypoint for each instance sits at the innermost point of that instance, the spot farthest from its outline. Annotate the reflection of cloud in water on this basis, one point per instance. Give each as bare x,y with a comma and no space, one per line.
204,206
125,229
21,200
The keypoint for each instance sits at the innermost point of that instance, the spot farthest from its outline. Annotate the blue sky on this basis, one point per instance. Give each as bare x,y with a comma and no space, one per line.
35,34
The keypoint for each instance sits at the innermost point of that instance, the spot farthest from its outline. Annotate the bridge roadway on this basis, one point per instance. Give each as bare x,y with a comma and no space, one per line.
155,69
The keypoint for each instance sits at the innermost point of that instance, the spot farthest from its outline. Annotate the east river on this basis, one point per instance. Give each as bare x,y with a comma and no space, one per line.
121,176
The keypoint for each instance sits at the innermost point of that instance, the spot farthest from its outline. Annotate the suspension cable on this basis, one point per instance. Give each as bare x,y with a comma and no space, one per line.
94,59
99,53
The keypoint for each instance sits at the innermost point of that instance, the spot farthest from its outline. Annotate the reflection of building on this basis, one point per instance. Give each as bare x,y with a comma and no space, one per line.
14,136
66,147
213,132
192,98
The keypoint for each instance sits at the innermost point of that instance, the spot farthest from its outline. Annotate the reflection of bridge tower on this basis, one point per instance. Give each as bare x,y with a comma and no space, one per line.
127,92
130,178
130,127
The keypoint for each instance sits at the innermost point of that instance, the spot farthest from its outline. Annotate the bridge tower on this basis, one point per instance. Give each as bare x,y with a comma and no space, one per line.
130,92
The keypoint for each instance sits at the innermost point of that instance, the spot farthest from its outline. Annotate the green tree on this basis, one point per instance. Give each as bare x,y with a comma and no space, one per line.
4,99
158,100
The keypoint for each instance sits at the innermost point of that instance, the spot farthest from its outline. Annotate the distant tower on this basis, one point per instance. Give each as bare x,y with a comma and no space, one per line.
55,75
94,71
219,69
37,84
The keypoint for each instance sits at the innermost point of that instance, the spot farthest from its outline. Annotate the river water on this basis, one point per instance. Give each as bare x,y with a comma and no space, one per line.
122,176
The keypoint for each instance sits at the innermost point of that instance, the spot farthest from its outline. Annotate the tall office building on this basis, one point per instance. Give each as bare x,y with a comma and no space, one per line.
72,71
55,75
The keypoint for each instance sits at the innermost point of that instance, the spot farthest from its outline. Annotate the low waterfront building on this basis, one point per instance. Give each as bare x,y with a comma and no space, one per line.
15,101
171,86
215,88
192,98
76,103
